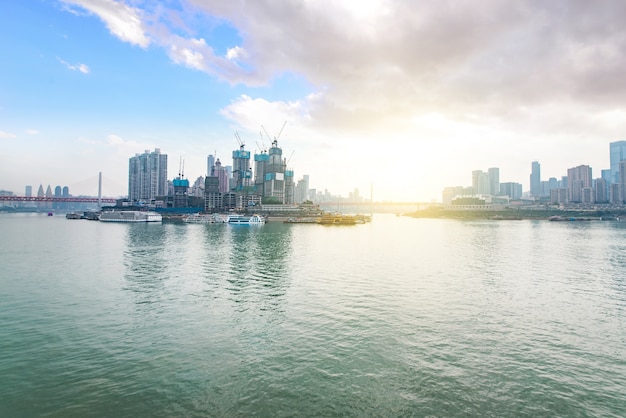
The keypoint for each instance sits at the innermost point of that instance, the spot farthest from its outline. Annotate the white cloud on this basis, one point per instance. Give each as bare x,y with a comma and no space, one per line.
126,148
78,67
123,21
7,135
32,131
236,53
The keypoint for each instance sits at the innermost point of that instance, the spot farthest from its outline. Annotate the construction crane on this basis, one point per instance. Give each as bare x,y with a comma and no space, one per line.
239,141
277,136
281,130
181,168
268,135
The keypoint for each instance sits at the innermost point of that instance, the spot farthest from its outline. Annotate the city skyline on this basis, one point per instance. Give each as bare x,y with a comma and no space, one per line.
374,93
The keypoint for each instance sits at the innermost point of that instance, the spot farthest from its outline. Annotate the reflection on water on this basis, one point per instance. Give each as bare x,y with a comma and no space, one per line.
256,269
250,263
146,259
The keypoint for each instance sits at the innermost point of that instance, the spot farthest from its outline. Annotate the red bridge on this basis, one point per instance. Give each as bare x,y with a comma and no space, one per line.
56,199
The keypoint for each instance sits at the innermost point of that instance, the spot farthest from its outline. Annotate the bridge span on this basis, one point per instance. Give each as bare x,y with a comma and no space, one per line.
56,199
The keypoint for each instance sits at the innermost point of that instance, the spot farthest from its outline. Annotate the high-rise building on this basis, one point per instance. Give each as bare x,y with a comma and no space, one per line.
260,168
481,182
222,177
512,190
213,201
181,192
147,176
242,174
615,195
535,179
210,164
622,181
302,189
617,153
494,181
28,191
290,188
274,184
602,191
579,178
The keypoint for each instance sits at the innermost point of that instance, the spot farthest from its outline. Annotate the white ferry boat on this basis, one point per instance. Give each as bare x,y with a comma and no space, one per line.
245,220
130,216
199,218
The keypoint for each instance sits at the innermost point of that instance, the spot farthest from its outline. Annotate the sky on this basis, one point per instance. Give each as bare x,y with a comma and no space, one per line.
400,97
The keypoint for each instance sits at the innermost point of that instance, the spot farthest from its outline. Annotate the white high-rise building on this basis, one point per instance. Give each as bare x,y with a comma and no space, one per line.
147,176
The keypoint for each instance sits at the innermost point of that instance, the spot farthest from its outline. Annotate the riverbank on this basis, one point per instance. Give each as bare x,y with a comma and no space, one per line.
519,214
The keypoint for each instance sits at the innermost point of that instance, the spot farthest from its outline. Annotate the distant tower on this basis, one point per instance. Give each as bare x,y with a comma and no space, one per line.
28,192
535,179
147,176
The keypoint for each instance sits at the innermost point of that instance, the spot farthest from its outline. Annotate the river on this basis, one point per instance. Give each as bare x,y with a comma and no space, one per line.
397,317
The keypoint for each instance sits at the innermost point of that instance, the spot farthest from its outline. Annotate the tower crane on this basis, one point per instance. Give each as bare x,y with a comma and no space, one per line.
281,130
239,141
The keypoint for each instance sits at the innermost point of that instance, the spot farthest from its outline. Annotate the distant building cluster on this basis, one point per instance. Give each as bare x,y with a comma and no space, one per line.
241,185
578,187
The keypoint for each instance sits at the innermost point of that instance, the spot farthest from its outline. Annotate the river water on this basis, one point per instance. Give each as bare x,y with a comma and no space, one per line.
398,317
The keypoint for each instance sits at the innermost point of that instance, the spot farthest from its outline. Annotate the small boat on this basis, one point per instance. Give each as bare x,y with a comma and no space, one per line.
73,216
50,214
130,216
245,220
204,218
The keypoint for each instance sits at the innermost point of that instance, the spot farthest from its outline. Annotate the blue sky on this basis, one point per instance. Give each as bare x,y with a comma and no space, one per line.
408,95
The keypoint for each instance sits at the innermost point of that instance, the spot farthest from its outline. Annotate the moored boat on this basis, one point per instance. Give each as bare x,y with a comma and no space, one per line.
203,218
130,216
245,220
337,219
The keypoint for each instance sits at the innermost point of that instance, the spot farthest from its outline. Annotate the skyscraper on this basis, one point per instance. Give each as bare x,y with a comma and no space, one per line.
617,153
147,176
535,179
